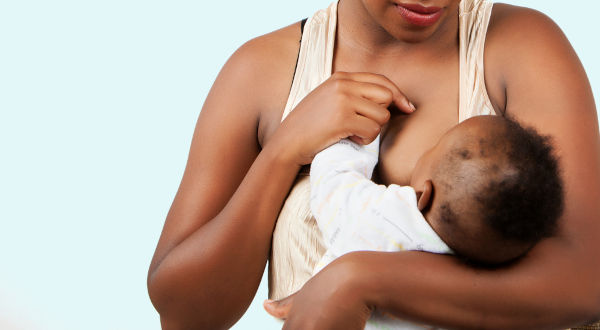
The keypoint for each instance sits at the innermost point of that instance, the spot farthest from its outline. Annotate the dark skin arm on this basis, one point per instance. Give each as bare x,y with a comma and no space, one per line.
216,239
200,227
556,285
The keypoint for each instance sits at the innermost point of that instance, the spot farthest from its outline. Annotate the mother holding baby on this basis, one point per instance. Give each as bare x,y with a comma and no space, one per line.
421,67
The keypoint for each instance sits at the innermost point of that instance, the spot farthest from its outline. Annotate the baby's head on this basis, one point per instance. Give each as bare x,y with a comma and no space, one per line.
490,188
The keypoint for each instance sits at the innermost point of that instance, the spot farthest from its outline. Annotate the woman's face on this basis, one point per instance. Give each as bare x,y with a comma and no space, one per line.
413,20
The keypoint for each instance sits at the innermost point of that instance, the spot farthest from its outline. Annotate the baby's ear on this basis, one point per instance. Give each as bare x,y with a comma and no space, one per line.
425,197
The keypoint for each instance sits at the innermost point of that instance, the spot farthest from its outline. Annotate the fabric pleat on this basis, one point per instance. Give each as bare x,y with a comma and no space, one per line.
297,243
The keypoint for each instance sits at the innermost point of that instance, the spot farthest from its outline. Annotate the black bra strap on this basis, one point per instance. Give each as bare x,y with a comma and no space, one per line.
302,23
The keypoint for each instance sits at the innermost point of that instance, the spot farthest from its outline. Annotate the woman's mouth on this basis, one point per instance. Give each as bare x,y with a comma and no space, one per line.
416,14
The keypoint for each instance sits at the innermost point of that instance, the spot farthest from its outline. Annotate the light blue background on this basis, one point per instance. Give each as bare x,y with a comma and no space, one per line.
98,101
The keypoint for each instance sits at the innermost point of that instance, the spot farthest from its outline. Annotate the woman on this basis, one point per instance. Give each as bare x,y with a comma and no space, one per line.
242,164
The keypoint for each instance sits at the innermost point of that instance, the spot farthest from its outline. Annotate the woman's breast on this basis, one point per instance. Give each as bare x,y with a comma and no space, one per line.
408,136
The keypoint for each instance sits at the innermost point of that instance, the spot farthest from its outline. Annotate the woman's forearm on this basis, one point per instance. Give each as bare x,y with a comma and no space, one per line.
199,283
558,283
550,289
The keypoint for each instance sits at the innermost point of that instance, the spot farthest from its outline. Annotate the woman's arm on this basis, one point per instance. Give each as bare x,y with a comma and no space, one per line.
556,285
215,242
216,239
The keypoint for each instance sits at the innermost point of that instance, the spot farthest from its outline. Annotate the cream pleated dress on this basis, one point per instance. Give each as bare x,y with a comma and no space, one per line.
297,242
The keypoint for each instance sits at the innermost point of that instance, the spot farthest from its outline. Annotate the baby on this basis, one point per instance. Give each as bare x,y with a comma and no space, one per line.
487,192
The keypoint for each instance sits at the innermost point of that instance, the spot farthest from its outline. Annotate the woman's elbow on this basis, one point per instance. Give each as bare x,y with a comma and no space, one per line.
164,298
584,300
180,307
161,296
587,276
174,313
591,305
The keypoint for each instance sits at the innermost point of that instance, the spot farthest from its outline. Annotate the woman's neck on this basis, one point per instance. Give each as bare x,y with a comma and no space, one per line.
360,33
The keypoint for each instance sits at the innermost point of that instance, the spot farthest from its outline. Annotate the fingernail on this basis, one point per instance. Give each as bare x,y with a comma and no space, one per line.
412,106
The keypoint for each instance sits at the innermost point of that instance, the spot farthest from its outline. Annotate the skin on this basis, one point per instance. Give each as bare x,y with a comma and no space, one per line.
423,180
216,239
469,236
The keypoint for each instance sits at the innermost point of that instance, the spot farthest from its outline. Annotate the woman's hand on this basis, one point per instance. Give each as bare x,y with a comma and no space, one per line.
329,300
347,105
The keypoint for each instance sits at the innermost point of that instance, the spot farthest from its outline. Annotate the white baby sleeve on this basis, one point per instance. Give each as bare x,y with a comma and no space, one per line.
338,175
355,214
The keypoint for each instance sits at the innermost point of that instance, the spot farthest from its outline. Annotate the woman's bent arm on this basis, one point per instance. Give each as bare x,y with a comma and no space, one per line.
557,284
216,239
220,264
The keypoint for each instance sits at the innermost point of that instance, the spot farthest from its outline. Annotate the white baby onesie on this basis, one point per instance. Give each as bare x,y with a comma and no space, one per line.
355,214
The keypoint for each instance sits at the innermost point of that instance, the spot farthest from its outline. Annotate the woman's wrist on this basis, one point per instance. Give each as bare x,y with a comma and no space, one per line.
357,278
377,279
277,151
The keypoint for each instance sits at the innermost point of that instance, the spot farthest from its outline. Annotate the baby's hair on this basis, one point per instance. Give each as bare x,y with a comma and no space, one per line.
532,194
510,177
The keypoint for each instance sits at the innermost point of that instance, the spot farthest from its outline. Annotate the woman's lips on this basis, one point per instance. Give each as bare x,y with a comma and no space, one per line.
419,15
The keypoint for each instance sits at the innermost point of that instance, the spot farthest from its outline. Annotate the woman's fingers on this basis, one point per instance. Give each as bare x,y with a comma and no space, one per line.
364,128
398,98
376,93
376,112
356,139
353,105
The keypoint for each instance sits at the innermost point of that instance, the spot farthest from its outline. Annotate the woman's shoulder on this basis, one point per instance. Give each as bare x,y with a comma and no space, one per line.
518,31
268,61
516,36
265,66
510,22
272,47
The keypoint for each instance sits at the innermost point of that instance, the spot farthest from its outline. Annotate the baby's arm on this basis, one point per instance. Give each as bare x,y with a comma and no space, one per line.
339,177
355,214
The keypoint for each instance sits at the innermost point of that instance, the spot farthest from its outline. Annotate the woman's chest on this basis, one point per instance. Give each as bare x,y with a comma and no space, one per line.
407,137
434,89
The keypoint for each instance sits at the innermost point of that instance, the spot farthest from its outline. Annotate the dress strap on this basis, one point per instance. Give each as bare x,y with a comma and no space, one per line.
302,23
474,18
315,59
